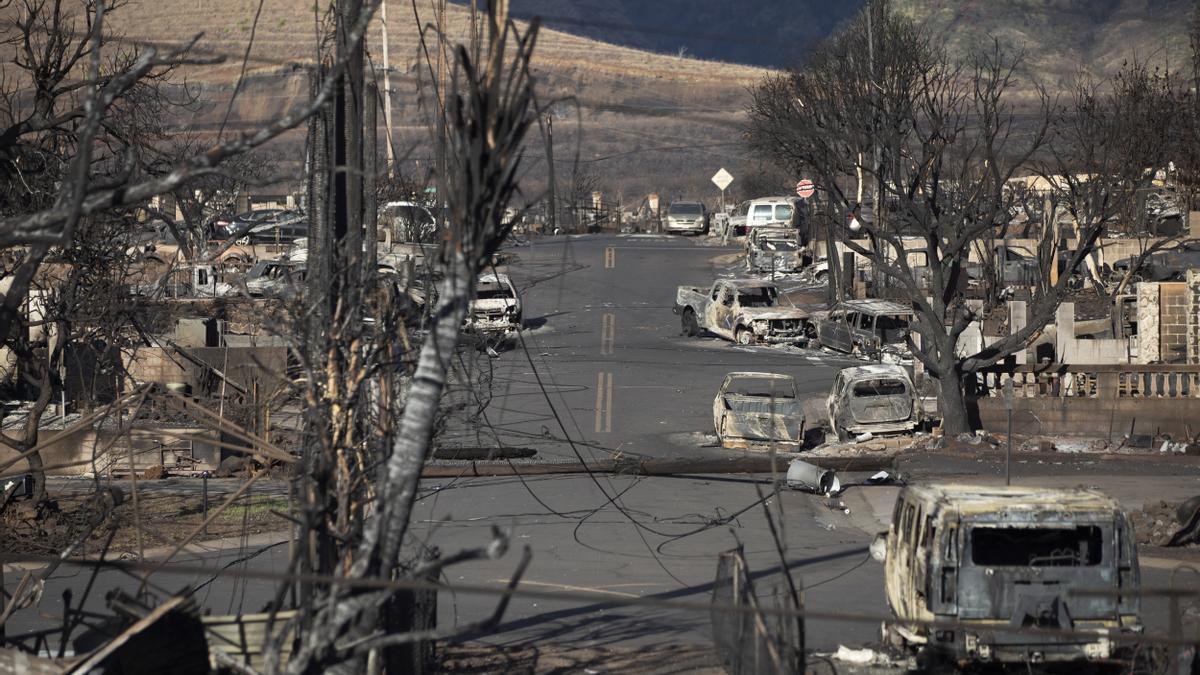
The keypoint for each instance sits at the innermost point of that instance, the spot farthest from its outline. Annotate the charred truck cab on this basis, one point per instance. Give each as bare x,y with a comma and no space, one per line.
495,313
999,563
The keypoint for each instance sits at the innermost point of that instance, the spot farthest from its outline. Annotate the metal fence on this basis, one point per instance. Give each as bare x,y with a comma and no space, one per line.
749,642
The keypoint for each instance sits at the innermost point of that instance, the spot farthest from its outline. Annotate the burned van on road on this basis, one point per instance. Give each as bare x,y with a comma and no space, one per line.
994,564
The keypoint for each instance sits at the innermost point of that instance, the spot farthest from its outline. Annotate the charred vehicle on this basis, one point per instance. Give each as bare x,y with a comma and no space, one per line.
876,399
746,311
1166,265
495,313
758,409
1002,562
875,328
274,279
774,249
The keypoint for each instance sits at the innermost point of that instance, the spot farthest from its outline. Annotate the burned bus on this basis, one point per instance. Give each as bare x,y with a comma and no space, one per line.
973,571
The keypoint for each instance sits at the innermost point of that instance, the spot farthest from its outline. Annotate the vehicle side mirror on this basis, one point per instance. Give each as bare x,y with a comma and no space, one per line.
878,547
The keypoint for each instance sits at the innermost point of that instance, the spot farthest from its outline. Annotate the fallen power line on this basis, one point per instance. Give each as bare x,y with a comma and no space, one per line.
653,467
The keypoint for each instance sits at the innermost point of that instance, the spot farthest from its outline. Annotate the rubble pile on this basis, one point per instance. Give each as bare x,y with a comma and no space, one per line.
1155,524
1166,524
48,529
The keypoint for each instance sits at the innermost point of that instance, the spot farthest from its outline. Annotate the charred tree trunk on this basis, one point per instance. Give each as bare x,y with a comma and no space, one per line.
952,403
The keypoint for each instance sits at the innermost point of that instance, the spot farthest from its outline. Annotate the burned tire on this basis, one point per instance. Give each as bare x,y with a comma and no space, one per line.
691,327
744,336
810,330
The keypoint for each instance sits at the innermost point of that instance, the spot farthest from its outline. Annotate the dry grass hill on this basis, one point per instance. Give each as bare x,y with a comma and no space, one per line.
642,121
627,111
1062,38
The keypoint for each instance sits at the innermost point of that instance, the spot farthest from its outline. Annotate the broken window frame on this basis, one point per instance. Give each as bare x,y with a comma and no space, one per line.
1087,551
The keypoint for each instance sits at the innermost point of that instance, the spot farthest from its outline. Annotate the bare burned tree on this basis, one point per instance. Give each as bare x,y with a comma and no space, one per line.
489,108
940,142
202,199
78,321
1110,141
78,119
583,182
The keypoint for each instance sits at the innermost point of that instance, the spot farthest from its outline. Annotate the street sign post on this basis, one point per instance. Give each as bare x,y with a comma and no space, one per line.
805,188
722,179
1008,406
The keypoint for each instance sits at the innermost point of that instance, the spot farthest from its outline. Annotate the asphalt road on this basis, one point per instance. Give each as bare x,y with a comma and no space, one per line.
602,368
603,361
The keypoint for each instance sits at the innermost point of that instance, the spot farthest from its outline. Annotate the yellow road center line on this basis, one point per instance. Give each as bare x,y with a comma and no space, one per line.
599,402
604,396
608,334
608,413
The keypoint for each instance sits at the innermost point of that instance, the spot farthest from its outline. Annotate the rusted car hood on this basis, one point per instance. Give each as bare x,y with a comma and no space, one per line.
492,304
768,313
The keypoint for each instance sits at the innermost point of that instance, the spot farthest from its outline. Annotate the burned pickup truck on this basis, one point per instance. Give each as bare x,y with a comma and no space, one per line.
747,311
774,249
1000,563
495,313
758,409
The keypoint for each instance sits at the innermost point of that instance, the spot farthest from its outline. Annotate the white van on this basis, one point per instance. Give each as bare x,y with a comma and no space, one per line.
764,211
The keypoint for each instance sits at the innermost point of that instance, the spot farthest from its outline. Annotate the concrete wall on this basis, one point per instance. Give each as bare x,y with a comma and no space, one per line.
1093,417
1173,322
1193,316
1166,318
243,366
1093,351
74,454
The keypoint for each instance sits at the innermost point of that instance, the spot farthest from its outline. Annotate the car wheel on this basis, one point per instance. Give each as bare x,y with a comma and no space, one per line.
810,331
691,327
744,336
821,275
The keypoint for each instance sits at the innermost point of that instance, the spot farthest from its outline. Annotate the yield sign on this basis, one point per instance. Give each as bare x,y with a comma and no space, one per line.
722,179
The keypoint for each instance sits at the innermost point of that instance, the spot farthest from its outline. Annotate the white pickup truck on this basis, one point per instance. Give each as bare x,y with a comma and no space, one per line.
746,311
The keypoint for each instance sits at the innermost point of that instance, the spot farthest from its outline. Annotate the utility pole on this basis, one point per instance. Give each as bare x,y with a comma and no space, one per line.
348,183
878,201
371,176
440,213
387,88
550,163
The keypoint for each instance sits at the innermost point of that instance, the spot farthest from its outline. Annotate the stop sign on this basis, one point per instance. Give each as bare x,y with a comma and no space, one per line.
805,188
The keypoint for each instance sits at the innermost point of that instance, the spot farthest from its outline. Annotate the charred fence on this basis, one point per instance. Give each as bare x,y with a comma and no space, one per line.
1120,399
750,642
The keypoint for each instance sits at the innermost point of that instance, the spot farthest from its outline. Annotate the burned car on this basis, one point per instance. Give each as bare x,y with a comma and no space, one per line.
774,249
758,409
876,399
1164,265
747,311
875,328
993,559
495,313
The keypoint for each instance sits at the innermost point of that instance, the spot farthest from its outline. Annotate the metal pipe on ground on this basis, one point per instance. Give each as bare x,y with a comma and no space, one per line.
654,467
